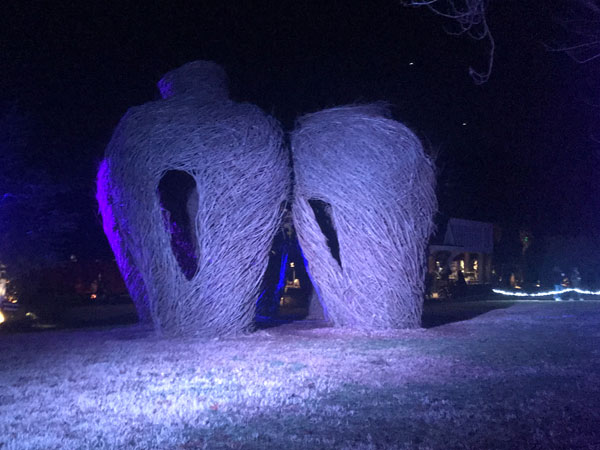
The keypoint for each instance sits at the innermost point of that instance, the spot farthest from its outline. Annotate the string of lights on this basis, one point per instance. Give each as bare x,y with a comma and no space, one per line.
545,294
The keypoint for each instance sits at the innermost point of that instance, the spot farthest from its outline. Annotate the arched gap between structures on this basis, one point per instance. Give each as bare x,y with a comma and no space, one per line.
322,211
179,202
287,292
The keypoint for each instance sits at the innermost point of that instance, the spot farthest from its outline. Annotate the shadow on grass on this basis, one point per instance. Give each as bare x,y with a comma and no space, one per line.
76,317
284,316
424,415
437,313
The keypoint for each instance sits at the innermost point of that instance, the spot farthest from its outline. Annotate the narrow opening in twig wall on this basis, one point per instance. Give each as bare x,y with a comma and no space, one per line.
324,218
286,290
179,202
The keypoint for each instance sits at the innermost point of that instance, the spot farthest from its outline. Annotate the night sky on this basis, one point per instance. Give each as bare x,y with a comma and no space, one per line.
525,158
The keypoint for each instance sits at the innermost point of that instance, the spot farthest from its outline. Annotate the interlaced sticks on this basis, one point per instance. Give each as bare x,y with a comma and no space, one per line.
377,187
235,155
363,208
133,279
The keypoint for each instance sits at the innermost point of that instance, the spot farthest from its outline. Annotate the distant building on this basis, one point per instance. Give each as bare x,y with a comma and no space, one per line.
467,246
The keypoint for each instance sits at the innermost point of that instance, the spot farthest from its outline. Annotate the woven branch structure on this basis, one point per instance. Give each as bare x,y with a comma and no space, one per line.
367,179
132,277
235,155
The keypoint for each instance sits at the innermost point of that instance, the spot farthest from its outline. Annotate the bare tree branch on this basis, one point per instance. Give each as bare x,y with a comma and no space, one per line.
470,16
582,23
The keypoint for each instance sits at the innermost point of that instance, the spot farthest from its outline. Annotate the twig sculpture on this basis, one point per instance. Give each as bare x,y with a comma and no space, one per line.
235,155
363,207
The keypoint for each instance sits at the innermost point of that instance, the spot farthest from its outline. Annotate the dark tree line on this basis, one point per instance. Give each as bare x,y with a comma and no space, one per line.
35,224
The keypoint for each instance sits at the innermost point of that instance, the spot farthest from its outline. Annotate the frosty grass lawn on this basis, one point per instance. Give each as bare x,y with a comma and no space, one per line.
527,376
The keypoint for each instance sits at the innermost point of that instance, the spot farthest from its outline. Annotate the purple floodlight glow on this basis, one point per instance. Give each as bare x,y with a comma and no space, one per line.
235,155
131,276
284,260
260,296
280,284
108,219
165,88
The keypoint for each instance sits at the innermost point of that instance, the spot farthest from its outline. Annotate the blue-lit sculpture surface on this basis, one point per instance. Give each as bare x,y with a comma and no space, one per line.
363,207
239,166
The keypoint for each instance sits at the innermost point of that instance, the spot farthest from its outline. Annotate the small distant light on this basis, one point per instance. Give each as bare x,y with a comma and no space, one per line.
1,317
464,124
93,296
292,264
411,63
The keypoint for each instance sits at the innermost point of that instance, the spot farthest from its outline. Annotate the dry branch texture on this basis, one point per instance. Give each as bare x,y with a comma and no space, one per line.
380,184
131,276
234,153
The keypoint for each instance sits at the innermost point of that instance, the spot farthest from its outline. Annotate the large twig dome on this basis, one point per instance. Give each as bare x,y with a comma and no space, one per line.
363,208
193,250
